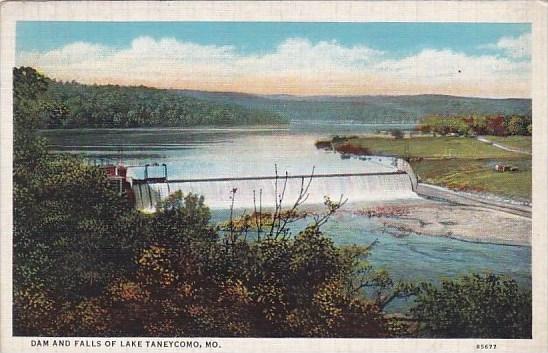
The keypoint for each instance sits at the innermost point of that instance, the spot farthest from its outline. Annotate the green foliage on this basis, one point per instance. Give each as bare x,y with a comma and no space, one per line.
518,125
29,88
496,125
71,232
474,306
445,125
370,109
191,281
72,211
56,114
74,105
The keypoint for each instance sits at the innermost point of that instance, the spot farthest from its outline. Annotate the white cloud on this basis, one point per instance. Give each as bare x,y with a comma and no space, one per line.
71,54
514,47
298,54
295,66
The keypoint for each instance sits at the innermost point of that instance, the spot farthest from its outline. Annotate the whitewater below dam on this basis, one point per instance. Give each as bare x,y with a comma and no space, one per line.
191,154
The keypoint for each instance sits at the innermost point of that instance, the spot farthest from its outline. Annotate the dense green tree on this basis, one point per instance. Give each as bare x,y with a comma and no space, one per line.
444,125
518,125
74,105
474,306
56,113
477,125
72,233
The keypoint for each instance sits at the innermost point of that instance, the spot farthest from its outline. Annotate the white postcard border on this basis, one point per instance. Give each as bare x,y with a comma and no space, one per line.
534,12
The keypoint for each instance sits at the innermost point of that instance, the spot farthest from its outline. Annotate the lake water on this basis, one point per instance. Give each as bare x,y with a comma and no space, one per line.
214,153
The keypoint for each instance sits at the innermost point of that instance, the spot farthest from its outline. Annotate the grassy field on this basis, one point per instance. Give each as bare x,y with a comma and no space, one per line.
478,175
520,142
459,163
432,147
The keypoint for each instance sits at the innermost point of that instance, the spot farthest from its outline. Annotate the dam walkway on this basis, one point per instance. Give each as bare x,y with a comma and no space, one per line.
270,177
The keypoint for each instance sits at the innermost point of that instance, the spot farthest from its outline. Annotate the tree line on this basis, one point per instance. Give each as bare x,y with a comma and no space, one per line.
496,125
75,105
88,264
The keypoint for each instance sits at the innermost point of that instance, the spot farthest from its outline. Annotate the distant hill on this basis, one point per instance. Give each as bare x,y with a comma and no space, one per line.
367,109
75,105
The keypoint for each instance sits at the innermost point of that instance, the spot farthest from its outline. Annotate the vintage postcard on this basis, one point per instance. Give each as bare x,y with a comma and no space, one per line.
274,176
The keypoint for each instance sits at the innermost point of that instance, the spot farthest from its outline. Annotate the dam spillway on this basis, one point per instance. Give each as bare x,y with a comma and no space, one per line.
251,191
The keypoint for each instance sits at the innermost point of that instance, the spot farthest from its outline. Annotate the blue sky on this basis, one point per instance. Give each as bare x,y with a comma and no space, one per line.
469,59
252,37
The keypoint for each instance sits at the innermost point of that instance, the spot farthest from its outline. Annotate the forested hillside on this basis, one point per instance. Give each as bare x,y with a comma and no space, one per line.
369,109
74,105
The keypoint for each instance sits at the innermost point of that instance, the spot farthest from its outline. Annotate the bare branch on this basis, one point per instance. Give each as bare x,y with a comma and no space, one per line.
292,214
274,215
279,215
256,216
260,210
332,207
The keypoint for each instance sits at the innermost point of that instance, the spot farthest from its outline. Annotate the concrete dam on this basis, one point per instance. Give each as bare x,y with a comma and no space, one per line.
249,191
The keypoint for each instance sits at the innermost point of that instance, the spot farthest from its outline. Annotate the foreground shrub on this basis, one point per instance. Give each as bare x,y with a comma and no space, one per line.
489,306
224,285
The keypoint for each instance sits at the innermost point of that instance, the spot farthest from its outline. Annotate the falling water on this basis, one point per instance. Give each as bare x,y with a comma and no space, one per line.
148,195
249,193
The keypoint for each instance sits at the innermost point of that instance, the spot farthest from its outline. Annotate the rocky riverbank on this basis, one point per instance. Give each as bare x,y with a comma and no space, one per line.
441,219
